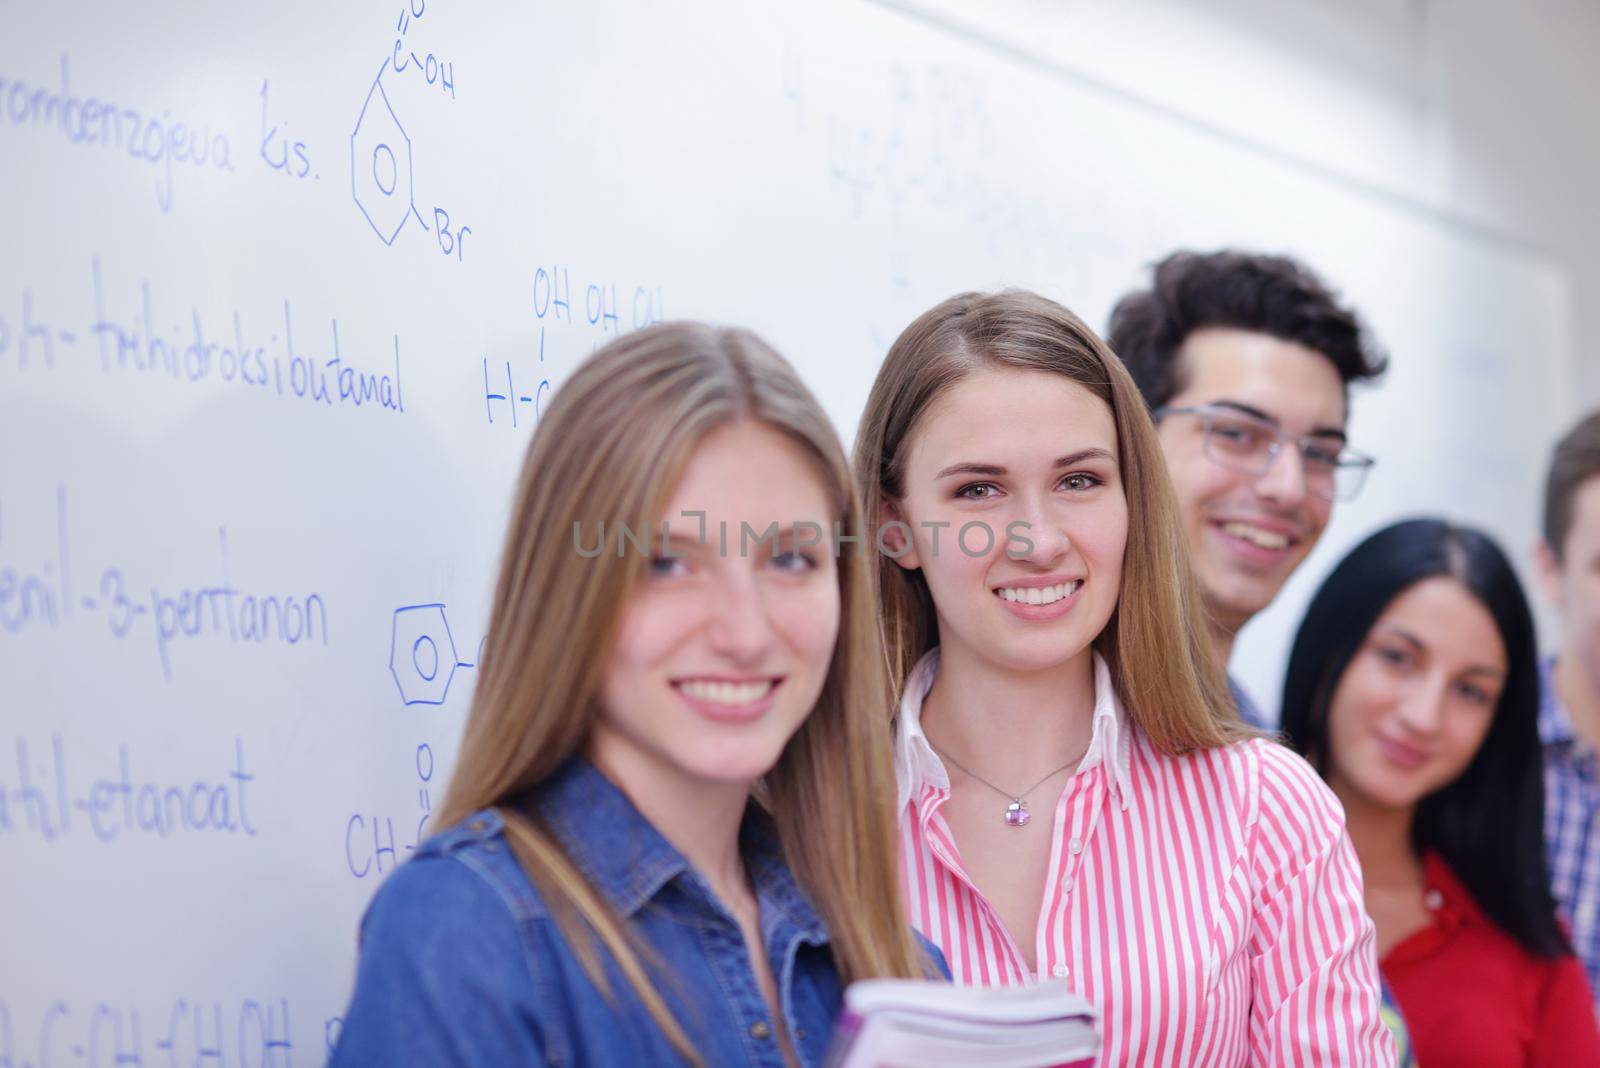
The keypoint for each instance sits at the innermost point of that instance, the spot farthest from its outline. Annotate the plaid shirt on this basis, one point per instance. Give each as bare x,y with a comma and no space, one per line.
1572,825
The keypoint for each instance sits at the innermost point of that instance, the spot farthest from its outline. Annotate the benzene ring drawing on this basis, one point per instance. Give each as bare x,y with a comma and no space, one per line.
422,654
380,165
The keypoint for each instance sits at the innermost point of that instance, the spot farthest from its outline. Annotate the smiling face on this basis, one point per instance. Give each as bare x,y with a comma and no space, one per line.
1013,492
720,656
1417,698
1248,533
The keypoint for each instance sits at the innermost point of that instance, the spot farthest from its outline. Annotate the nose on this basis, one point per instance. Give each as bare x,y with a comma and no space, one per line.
1036,537
1422,710
740,628
1284,481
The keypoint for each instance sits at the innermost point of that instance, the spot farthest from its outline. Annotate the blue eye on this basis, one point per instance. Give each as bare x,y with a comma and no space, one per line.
665,566
795,561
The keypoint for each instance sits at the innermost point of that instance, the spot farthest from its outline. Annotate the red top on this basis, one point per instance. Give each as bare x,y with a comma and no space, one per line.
1472,995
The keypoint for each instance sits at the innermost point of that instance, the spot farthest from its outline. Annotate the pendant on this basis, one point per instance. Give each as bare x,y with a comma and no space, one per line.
1017,814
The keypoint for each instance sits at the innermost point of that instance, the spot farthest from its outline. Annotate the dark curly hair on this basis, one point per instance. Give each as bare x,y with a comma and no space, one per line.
1251,291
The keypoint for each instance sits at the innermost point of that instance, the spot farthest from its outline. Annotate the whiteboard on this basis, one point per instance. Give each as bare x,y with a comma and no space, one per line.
284,290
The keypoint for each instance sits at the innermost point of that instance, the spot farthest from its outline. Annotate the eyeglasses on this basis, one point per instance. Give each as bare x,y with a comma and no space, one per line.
1251,446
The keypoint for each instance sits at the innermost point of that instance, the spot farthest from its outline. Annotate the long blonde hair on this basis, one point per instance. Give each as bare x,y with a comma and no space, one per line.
1157,641
609,449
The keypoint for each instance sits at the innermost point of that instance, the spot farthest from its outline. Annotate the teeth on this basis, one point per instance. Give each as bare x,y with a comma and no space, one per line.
1038,594
725,693
1266,539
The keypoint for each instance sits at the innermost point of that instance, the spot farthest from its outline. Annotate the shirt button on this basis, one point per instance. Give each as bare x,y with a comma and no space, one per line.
759,1029
1076,845
1066,883
1432,900
1061,971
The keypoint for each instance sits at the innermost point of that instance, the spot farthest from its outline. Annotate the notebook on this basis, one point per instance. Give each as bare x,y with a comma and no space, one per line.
904,1023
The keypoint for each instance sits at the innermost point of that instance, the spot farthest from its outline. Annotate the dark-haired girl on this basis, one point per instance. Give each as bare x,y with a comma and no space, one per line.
1413,688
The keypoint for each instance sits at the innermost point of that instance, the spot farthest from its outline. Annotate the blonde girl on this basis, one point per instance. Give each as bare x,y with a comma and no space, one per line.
669,833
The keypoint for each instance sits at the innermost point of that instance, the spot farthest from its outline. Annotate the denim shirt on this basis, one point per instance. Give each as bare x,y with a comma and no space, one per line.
462,963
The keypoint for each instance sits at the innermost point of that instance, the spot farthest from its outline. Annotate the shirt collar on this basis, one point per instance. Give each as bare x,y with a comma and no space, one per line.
917,765
1450,908
1555,726
628,861
1454,905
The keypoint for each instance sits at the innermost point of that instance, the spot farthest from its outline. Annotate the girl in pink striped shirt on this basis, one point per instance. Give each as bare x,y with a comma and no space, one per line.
1077,796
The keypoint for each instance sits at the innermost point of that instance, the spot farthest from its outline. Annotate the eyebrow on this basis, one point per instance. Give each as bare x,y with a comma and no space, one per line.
996,470
733,532
679,542
1396,631
1256,413
1400,632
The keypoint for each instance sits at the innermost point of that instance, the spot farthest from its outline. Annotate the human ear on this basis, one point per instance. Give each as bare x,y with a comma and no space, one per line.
894,537
1548,571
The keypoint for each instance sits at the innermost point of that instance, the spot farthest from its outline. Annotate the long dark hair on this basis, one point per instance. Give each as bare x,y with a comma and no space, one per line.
1488,824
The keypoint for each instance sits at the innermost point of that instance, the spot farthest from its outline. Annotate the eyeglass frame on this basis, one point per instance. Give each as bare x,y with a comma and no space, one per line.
1347,459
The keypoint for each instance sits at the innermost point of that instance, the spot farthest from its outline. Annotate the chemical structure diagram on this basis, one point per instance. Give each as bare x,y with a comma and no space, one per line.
382,164
422,654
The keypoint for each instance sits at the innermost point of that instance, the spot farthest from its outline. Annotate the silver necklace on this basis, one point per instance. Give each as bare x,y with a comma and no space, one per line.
1017,814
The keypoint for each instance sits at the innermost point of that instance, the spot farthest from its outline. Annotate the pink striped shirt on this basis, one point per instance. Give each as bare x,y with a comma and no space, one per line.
1209,905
